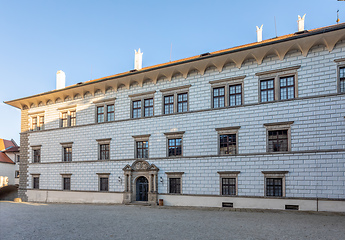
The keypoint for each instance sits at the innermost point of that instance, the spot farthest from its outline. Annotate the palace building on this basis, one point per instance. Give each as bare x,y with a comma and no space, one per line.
255,126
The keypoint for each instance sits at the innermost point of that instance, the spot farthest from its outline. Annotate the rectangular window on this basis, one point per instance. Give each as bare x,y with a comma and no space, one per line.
274,187
64,119
104,184
267,90
227,144
66,183
36,182
34,123
104,151
342,79
73,115
100,114
142,149
175,147
37,155
148,107
218,97
18,158
136,109
16,174
287,87
278,141
182,102
41,123
174,185
228,186
67,154
110,113
169,104
235,95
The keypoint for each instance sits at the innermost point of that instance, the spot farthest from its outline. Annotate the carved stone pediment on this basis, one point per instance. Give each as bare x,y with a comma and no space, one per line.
154,168
127,168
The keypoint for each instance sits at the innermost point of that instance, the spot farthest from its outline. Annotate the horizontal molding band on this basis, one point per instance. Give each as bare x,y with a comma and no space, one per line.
201,156
189,112
196,195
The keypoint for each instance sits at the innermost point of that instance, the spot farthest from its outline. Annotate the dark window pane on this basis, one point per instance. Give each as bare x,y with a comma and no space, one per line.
37,155
175,147
227,144
66,183
235,95
73,118
104,151
174,185
36,182
278,141
228,186
342,79
143,149
104,184
67,154
274,187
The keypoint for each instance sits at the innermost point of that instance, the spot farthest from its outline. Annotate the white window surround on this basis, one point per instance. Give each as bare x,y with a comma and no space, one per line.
174,135
67,110
340,64
37,116
141,138
102,142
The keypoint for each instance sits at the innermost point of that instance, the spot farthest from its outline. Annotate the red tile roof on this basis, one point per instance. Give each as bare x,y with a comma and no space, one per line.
6,144
5,159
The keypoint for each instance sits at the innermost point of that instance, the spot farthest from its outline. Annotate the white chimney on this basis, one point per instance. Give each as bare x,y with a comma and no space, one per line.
259,33
60,79
300,23
138,60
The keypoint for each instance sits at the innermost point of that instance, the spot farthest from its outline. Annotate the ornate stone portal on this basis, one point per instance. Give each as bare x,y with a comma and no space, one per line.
133,189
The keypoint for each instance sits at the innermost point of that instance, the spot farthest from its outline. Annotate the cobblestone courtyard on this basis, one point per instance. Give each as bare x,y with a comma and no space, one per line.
85,221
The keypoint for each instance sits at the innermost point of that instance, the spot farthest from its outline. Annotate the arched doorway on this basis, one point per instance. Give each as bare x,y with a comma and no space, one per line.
142,187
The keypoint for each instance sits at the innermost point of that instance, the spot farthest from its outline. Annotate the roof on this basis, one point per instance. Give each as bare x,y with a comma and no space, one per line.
6,145
302,41
5,159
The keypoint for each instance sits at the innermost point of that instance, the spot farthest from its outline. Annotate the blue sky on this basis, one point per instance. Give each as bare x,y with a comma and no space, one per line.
93,39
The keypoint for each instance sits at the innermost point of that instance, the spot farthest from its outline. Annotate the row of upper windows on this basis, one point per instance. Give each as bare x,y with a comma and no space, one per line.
224,93
278,140
274,183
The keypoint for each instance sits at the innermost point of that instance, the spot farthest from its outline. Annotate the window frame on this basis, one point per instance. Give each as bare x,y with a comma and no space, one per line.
174,175
36,117
276,75
228,174
175,91
277,127
227,83
33,177
16,174
340,64
141,138
67,110
104,103
276,175
64,146
227,131
174,135
142,97
104,141
63,176
34,149
100,177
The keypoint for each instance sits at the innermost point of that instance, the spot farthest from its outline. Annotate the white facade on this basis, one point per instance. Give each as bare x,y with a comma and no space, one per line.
312,170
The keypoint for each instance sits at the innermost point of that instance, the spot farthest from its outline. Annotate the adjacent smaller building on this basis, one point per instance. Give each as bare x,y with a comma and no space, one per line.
9,159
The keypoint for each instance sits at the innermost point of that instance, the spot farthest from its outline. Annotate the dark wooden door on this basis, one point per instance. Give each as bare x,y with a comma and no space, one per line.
142,189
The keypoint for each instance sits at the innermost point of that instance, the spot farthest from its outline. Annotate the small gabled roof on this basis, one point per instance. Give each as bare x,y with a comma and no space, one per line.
7,144
5,159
